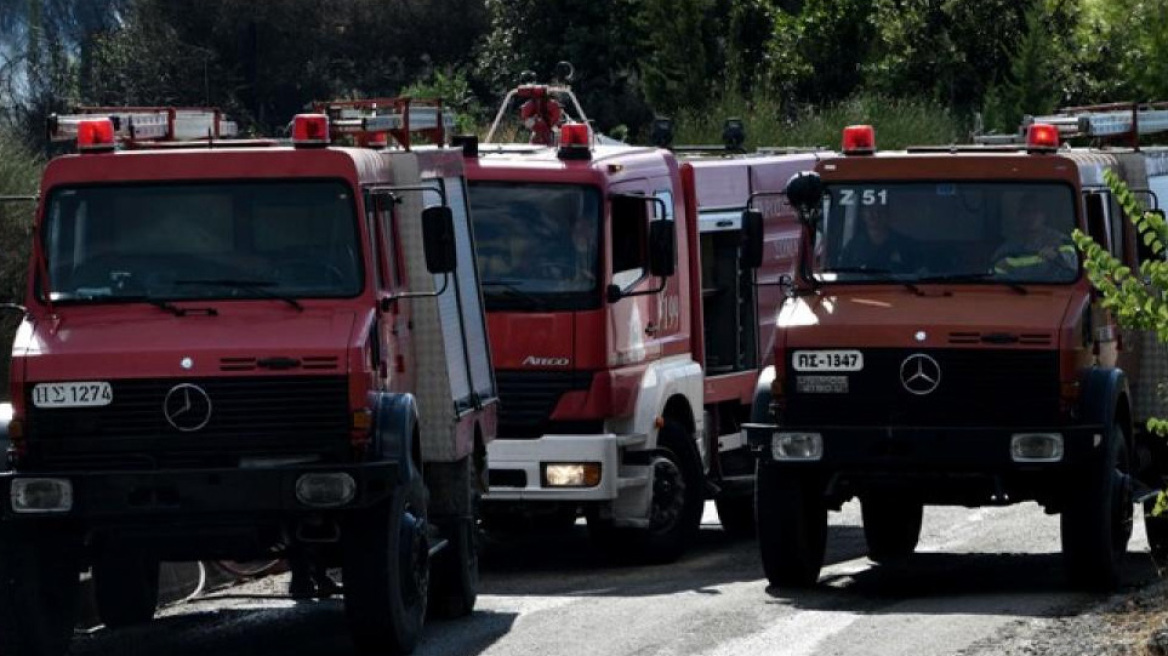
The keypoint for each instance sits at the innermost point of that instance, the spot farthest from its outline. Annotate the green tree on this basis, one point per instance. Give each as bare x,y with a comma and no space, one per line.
599,38
1035,81
675,63
948,49
817,50
19,174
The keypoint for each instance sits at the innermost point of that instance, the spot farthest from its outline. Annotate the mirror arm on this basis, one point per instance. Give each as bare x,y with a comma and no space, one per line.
613,298
386,302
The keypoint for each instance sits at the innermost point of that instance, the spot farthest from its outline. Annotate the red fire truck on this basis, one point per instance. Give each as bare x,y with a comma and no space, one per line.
240,349
626,325
941,346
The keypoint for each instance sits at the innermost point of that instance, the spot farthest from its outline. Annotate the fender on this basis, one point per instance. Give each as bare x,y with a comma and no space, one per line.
663,379
395,418
1102,389
5,418
760,410
762,423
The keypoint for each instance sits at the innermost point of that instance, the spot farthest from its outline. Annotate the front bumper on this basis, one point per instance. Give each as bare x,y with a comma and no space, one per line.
199,495
516,467
959,465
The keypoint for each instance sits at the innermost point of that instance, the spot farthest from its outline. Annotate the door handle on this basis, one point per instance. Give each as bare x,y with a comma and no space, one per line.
650,328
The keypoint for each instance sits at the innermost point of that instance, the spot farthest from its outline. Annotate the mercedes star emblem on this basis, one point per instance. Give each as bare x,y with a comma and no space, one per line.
187,407
920,374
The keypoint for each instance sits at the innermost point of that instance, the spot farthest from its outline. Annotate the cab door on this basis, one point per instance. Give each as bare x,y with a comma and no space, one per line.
393,320
635,325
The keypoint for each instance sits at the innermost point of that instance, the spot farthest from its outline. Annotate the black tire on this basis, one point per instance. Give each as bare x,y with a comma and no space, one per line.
736,515
455,572
1156,528
386,571
675,513
39,593
125,587
791,519
892,526
1097,522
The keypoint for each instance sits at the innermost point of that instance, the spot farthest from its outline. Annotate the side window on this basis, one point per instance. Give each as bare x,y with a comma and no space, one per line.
1097,220
371,203
667,198
630,229
1118,230
390,241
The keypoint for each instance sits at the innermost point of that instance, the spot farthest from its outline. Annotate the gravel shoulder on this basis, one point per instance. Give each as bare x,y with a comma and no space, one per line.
1132,622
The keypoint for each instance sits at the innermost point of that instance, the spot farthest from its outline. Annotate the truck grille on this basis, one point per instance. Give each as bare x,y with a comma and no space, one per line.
1007,387
249,416
527,399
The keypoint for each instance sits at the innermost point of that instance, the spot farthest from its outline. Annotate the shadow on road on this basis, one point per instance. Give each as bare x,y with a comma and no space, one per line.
295,628
566,563
961,583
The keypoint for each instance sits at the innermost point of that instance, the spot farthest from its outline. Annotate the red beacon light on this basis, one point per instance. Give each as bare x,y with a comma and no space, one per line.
575,141
95,135
374,140
859,140
1042,137
310,130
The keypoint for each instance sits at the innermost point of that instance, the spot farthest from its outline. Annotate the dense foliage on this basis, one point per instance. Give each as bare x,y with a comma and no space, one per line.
1135,298
634,58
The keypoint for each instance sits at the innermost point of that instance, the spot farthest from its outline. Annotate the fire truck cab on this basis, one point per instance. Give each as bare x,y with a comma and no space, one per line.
940,345
243,349
626,327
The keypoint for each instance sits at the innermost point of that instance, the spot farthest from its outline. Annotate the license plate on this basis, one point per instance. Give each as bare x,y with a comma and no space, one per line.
72,395
821,384
827,360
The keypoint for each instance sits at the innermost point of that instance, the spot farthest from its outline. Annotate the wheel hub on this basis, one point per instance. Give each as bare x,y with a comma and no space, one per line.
668,494
415,557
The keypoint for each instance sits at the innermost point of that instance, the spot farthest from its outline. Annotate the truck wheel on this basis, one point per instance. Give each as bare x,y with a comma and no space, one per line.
736,515
791,519
892,526
386,570
125,587
1157,530
39,593
675,511
1097,522
455,571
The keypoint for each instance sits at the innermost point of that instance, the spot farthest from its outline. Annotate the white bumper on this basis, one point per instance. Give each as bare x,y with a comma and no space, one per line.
507,457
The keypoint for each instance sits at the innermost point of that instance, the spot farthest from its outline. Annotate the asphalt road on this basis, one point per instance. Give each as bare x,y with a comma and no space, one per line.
978,575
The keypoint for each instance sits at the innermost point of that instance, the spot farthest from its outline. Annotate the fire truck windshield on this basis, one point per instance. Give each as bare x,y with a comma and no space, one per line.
947,231
148,242
537,244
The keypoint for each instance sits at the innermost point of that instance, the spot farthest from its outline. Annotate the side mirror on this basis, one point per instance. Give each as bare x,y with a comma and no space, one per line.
752,239
438,239
805,193
662,248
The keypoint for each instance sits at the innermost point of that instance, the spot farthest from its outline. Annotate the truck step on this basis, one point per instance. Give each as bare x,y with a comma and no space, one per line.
637,439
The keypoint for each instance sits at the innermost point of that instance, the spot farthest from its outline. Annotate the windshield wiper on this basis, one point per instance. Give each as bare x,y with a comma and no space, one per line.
908,284
159,303
513,291
259,287
975,276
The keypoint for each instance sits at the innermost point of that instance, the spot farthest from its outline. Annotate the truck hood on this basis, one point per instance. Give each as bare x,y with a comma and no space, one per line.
896,318
143,342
